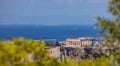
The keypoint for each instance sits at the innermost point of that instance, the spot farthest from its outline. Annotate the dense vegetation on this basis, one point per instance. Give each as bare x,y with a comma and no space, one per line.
21,52
53,43
111,30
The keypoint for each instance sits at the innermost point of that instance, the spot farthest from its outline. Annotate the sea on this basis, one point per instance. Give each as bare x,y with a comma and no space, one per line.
47,32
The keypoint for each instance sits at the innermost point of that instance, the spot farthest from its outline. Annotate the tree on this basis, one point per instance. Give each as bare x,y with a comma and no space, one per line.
110,29
21,52
57,43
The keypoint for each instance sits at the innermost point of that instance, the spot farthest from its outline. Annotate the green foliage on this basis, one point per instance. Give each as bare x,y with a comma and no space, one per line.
52,43
111,30
88,62
114,7
21,52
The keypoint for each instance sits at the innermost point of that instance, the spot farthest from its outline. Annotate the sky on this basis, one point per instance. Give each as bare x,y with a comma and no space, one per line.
52,12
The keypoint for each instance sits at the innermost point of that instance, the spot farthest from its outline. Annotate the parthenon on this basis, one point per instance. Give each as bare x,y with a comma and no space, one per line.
79,42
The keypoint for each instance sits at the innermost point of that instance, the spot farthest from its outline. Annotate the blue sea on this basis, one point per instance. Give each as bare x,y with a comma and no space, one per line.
36,32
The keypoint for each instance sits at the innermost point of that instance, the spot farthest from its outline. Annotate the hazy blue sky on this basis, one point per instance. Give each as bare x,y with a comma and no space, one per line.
52,12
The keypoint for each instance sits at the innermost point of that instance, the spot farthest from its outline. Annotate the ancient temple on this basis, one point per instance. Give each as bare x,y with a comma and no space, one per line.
79,42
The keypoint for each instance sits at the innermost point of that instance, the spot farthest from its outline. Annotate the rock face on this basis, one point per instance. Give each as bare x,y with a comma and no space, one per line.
54,51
